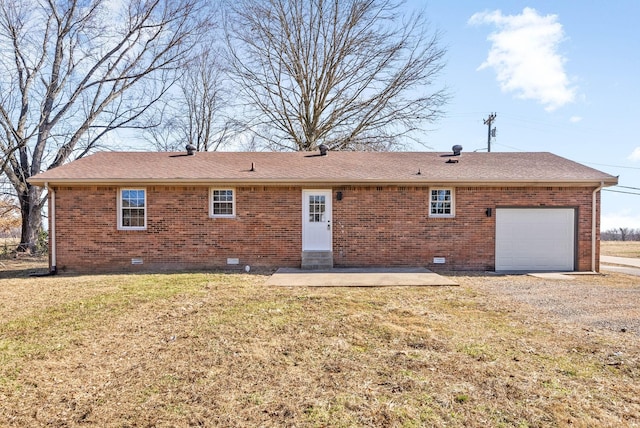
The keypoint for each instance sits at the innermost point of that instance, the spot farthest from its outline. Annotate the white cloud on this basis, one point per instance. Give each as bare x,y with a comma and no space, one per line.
635,155
575,119
524,54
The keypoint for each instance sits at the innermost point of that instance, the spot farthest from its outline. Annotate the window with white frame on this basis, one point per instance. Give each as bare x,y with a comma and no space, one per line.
317,207
223,203
441,202
132,209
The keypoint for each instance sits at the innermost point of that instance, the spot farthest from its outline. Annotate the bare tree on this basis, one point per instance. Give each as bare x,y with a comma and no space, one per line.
620,234
74,70
624,233
194,114
352,74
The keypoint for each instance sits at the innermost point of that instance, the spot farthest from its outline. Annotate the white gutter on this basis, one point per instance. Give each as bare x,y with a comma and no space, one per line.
52,227
316,181
593,226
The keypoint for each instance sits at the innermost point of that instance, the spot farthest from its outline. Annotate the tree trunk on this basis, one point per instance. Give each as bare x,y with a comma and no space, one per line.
30,207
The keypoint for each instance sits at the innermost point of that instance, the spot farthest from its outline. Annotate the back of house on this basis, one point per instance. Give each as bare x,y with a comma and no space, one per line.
131,211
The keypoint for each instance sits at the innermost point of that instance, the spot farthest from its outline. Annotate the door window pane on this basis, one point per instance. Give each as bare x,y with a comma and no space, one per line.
317,206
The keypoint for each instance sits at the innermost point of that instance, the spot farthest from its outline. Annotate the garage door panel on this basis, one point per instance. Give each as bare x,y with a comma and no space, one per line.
531,239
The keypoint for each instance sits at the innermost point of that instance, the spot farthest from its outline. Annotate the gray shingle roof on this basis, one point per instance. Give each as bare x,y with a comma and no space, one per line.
337,167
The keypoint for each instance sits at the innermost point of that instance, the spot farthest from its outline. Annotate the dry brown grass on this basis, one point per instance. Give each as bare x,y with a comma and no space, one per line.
204,349
620,248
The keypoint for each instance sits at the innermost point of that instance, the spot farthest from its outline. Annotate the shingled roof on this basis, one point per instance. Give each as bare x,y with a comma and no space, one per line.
408,168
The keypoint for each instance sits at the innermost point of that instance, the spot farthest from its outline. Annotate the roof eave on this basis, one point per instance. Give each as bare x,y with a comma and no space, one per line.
414,181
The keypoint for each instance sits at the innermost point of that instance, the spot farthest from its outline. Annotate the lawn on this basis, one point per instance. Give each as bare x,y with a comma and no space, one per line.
620,248
207,349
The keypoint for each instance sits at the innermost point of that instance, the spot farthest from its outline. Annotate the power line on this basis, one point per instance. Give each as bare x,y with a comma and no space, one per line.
621,191
543,124
509,147
611,166
491,133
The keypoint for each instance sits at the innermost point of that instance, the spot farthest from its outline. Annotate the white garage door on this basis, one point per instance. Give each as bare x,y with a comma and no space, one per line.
535,239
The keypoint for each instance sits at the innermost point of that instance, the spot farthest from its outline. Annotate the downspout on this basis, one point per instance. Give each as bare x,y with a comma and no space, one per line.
52,230
593,227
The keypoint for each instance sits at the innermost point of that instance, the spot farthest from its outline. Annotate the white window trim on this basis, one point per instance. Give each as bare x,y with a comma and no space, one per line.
453,203
233,202
120,226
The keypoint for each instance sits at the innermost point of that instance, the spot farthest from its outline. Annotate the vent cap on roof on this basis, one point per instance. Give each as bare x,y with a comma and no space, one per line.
191,149
457,149
323,149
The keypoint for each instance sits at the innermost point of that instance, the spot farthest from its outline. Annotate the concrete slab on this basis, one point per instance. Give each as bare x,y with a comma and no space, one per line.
626,261
356,277
621,269
626,265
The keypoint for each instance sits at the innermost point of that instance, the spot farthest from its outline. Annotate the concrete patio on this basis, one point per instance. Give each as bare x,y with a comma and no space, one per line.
357,277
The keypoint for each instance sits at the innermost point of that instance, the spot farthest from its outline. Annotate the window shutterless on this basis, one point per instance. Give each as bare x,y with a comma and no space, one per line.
222,203
132,209
441,202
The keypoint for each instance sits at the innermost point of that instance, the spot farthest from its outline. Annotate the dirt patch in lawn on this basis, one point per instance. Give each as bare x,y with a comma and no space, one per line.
224,350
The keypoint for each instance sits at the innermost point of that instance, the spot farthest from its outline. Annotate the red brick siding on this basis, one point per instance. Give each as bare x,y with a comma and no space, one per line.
372,226
180,233
390,226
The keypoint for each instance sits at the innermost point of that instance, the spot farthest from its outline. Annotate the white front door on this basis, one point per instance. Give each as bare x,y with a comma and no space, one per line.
316,220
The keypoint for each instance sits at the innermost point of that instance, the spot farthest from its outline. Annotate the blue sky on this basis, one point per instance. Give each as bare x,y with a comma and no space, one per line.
562,76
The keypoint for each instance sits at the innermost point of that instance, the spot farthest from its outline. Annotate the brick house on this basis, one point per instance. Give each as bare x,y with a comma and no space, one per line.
124,212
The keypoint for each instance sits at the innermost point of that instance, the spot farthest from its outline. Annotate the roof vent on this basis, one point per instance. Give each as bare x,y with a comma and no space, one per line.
456,149
323,149
191,149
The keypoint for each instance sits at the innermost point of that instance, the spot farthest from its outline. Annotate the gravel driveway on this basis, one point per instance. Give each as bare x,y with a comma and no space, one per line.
609,301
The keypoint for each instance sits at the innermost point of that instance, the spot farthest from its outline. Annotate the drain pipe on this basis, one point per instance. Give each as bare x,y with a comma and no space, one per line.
53,270
52,230
593,226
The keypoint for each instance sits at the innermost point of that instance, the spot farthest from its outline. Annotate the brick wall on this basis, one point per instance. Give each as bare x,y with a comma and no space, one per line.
391,225
180,234
375,226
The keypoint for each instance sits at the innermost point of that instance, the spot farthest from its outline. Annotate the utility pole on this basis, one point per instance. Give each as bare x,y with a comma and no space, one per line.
488,121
